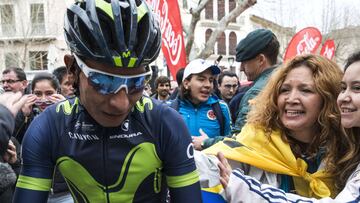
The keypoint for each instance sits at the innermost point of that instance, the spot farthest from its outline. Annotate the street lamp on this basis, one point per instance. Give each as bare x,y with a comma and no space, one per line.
231,61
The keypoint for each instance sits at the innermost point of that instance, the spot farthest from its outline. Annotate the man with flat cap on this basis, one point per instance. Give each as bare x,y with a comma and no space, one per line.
257,53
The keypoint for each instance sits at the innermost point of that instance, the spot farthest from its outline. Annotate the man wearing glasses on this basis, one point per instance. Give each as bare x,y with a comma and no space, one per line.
14,80
110,143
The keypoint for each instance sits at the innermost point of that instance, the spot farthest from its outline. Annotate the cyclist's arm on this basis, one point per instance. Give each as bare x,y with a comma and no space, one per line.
36,174
178,155
242,188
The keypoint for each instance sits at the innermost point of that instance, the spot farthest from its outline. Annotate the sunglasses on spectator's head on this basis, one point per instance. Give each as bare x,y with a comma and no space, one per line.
108,83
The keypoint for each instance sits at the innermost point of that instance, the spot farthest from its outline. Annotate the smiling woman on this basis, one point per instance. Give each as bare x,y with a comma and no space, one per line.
292,139
348,163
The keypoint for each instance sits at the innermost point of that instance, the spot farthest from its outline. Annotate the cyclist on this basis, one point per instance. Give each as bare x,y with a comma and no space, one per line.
110,143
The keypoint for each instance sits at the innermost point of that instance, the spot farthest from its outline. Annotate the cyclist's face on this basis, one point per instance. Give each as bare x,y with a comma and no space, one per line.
108,110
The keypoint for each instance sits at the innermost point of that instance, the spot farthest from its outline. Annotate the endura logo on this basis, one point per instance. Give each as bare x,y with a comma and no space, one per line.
122,136
125,125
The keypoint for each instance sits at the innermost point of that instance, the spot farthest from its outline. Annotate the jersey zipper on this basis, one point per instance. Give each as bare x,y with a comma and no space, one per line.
105,151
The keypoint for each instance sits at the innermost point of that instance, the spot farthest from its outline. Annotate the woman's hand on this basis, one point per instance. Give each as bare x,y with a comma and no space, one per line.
10,156
225,169
56,98
27,107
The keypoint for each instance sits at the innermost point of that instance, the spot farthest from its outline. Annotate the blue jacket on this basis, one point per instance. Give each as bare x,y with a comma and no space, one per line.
202,116
250,94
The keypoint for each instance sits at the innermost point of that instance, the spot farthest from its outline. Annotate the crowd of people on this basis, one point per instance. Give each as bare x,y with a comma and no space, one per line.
95,131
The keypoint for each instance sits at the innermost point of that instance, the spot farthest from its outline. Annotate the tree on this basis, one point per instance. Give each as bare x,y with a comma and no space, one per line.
242,5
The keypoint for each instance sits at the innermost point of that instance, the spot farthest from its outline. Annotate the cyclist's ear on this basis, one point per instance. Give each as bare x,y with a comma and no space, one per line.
70,63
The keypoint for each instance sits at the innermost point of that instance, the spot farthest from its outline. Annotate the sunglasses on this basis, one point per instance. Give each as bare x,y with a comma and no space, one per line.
107,83
9,81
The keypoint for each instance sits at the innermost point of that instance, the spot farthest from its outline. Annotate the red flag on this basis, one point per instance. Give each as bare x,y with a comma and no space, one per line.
173,45
328,49
305,41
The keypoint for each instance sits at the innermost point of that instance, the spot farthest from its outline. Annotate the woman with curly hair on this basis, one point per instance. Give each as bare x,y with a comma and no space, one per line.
292,139
347,160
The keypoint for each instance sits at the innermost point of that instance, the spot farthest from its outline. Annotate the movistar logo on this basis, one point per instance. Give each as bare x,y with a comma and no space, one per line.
126,54
86,188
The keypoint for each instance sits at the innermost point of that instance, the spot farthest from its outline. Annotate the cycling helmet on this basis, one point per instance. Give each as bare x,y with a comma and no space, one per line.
121,33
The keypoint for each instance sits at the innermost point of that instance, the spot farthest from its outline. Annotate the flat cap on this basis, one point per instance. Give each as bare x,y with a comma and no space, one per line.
249,47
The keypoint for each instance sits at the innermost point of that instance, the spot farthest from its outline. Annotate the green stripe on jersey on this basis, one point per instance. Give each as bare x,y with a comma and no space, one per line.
27,182
183,180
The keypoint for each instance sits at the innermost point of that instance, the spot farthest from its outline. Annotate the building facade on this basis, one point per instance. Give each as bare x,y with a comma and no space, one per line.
31,34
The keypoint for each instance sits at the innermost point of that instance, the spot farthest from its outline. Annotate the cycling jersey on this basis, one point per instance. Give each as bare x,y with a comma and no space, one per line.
134,162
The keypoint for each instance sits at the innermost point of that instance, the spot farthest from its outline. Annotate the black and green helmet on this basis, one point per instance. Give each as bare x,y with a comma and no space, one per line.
121,33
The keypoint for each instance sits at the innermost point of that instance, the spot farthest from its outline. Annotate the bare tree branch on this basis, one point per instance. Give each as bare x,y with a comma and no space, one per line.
224,22
242,5
195,17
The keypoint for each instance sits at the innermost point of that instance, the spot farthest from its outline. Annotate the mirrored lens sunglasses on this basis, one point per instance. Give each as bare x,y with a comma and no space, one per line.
107,83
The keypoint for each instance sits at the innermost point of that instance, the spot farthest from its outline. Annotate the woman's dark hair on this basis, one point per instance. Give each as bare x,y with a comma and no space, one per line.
352,59
46,76
59,73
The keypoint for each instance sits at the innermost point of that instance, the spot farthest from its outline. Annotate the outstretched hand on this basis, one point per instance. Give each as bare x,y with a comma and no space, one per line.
225,169
13,101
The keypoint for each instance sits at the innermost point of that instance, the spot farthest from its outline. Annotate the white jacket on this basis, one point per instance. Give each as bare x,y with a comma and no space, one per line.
243,188
261,186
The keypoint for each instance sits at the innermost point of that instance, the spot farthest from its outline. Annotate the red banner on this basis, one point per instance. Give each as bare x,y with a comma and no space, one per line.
305,41
173,45
328,49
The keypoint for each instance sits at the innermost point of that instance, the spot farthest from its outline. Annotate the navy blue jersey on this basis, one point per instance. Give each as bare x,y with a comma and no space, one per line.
138,161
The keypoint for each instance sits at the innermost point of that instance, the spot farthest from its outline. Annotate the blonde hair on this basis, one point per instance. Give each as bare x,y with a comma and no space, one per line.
327,77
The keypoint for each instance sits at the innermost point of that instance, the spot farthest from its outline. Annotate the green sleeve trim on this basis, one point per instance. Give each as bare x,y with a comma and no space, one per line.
40,184
183,180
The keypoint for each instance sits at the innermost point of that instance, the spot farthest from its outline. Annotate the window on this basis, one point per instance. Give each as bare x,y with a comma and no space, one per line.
7,19
185,4
209,10
232,43
11,60
38,60
232,5
37,19
221,44
207,36
221,9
